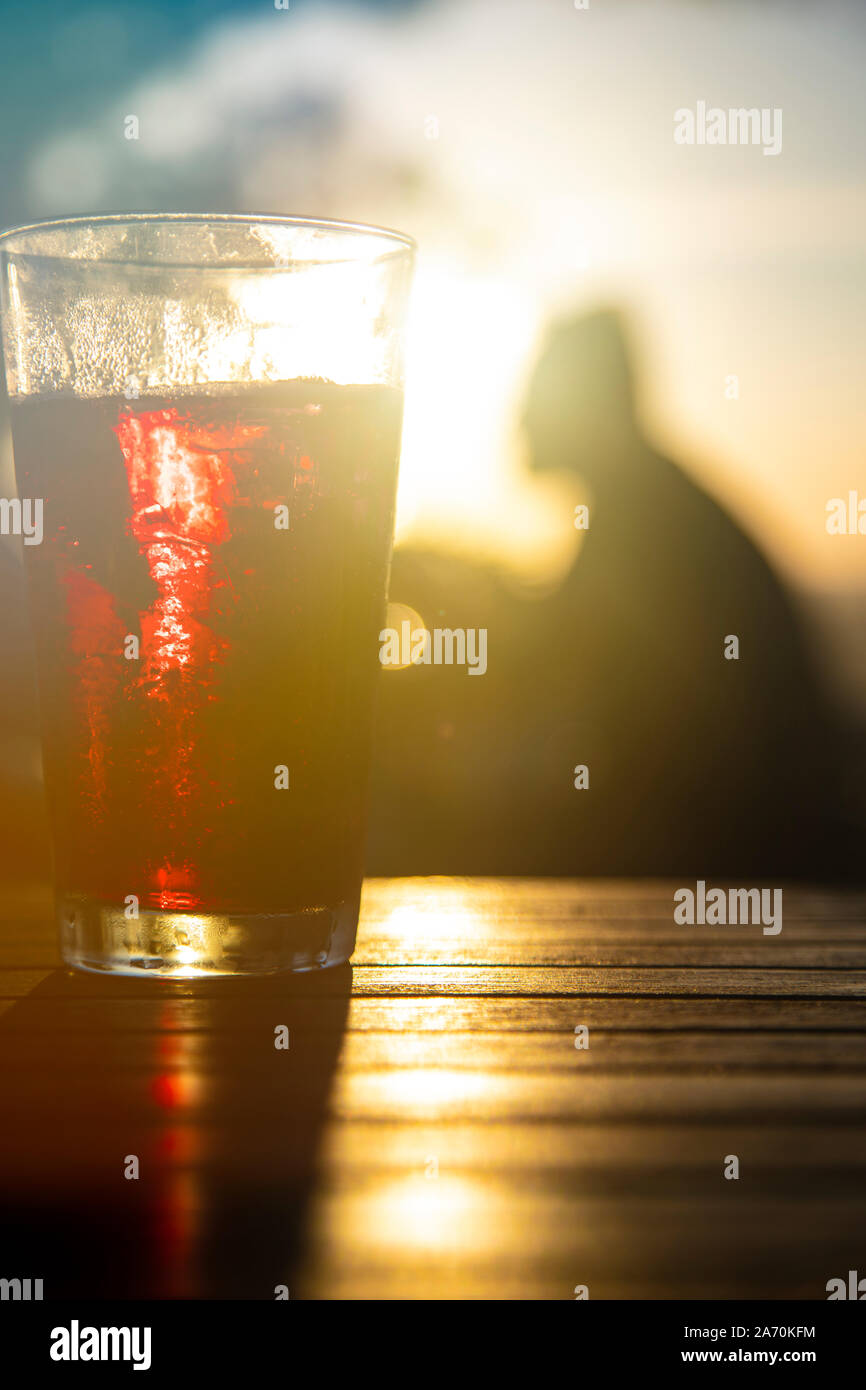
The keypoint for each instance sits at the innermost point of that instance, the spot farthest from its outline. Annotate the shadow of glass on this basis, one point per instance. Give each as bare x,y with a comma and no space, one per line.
162,1137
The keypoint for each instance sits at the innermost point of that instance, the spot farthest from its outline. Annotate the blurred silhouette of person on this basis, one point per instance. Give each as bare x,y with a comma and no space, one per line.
696,765
670,666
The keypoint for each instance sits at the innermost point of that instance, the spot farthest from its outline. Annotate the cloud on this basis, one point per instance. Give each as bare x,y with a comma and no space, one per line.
529,148
492,126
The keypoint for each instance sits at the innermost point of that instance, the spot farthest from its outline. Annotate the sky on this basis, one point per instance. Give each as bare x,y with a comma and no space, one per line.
530,150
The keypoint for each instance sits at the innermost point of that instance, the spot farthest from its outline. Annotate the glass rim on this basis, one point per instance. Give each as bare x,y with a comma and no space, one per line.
401,242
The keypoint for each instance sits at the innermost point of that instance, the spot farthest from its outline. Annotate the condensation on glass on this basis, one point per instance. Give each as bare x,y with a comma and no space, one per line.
207,410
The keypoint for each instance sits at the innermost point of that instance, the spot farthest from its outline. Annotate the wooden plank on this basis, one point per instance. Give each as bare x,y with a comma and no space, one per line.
652,1157
564,949
462,1093
457,1093
528,898
608,1052
443,981
702,1181
612,1052
543,981
407,1238
731,954
816,1156
453,1040
17,984
553,981
161,1014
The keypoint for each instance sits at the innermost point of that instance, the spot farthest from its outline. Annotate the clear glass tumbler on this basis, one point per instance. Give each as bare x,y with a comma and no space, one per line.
206,417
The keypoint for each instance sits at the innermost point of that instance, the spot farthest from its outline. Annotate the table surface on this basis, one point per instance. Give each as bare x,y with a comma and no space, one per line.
432,1130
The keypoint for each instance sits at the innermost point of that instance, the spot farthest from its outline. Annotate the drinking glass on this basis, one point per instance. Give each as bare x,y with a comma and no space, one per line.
206,416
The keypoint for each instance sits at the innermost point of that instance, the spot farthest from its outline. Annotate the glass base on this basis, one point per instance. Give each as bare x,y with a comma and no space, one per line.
189,945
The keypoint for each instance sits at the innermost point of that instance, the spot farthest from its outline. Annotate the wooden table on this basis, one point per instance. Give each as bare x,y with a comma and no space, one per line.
432,1130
